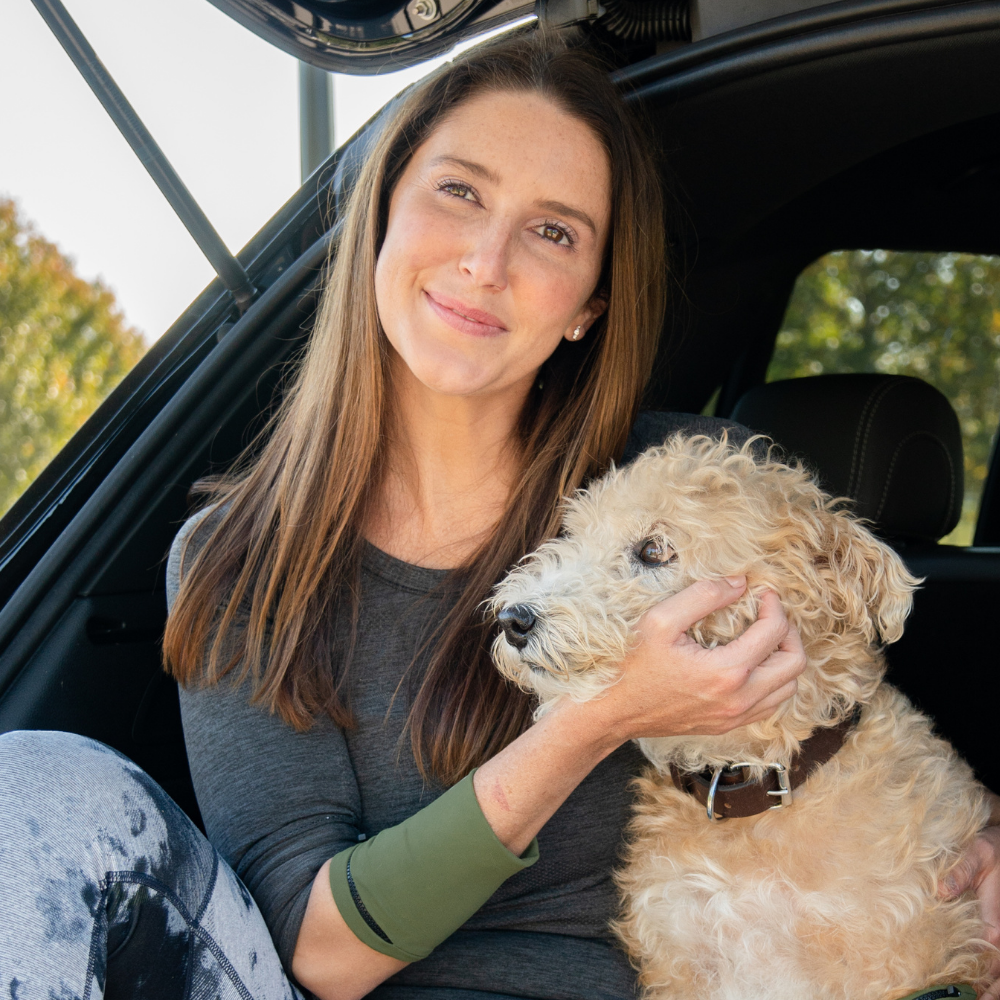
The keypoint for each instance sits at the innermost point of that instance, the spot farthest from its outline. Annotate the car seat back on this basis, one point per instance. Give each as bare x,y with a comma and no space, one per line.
889,442
893,445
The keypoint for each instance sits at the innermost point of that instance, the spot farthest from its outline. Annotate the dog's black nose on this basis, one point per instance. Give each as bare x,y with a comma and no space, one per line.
516,620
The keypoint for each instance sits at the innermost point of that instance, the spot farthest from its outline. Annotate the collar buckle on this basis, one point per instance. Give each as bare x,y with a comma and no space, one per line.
783,791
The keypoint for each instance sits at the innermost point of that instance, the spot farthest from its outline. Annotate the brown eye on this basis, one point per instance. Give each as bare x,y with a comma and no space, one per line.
458,190
654,553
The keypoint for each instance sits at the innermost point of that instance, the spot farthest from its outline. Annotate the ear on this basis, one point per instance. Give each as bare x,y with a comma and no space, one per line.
873,584
587,316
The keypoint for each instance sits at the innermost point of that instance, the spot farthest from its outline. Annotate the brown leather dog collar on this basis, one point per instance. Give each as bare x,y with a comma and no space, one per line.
725,794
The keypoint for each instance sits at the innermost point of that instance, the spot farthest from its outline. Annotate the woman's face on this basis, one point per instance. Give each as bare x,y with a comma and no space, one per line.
494,244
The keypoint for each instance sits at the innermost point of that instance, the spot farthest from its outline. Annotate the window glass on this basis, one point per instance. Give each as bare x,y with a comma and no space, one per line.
935,316
64,345
94,265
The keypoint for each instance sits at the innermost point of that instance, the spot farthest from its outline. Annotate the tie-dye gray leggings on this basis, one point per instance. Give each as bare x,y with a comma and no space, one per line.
106,887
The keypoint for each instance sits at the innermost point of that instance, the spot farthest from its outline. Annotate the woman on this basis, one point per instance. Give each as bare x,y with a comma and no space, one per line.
483,342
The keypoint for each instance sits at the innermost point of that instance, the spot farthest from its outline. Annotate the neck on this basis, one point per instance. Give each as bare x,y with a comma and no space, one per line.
450,466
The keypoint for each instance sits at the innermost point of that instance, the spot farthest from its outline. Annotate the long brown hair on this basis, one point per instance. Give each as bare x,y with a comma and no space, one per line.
261,594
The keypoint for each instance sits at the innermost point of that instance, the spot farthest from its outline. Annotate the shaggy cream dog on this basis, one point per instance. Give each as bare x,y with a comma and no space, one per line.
832,896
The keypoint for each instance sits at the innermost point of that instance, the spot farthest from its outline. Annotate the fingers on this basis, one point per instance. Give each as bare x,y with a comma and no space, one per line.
980,860
767,706
680,612
761,639
957,881
778,672
752,676
979,869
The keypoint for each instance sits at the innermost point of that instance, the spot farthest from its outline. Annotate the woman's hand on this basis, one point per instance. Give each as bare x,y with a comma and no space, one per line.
979,870
669,686
672,686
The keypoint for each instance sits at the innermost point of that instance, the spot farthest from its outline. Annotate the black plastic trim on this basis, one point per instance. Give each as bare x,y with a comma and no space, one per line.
876,32
988,525
954,564
800,22
40,600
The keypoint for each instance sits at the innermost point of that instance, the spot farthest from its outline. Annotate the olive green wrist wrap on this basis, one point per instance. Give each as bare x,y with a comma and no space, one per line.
413,885
954,991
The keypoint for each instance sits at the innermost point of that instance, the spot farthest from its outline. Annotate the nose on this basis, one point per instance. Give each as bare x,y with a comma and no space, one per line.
485,259
517,621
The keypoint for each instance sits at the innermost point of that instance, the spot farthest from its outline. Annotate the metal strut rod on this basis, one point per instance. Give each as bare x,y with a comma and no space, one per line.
228,268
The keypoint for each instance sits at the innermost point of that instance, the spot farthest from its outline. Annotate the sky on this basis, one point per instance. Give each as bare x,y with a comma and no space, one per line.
222,104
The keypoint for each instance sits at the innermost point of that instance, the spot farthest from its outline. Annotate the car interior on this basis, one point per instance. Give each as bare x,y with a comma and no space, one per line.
854,125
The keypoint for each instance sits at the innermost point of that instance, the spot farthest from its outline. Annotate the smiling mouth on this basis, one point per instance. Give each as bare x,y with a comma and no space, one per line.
464,318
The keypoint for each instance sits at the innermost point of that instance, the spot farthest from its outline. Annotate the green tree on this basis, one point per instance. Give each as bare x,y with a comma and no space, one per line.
932,315
64,345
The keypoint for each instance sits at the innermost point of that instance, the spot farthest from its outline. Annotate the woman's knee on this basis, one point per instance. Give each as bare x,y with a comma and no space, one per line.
76,798
26,749
52,765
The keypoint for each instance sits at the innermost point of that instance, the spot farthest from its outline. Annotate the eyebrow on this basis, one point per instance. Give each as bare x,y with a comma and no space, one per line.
474,168
494,178
574,213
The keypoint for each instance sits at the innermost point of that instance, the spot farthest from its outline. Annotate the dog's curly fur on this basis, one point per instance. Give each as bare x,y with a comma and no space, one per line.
834,896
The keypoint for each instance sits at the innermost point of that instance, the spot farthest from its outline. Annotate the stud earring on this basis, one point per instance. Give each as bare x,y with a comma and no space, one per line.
576,333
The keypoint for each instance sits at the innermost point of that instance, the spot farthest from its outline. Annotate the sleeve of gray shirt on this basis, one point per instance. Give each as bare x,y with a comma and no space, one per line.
276,803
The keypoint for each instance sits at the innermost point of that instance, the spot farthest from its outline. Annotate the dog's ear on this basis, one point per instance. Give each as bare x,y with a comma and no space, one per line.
870,582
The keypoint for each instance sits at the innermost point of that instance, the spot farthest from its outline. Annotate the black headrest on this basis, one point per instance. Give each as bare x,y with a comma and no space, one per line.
890,442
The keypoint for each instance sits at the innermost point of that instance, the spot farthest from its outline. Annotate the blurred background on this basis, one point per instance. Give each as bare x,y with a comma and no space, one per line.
95,266
222,104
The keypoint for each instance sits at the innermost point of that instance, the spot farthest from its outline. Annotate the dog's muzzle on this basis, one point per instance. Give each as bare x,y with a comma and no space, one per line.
517,621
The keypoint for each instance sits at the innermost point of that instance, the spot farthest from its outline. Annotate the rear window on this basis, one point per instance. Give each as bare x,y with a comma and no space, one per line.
935,316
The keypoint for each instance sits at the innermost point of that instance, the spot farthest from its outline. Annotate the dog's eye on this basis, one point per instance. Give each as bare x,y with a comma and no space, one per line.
654,553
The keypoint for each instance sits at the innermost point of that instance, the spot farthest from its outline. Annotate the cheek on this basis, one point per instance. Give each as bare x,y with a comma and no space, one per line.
546,297
416,243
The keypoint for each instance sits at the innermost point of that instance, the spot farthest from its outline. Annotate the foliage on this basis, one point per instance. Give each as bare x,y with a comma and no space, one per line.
64,345
932,315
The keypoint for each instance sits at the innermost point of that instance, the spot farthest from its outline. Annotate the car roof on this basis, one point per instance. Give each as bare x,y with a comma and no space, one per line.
374,36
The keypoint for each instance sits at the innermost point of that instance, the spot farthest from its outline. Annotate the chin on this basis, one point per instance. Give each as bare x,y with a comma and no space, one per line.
449,370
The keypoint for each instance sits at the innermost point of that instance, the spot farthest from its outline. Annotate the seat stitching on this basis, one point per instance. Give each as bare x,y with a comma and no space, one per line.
952,483
892,465
857,436
867,419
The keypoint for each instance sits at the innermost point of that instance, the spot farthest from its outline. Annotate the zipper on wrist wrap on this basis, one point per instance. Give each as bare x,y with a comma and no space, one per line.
362,909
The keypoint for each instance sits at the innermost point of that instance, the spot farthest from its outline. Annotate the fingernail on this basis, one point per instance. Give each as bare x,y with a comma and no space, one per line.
736,581
951,886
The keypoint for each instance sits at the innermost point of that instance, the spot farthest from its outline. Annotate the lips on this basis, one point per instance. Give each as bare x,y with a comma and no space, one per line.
463,317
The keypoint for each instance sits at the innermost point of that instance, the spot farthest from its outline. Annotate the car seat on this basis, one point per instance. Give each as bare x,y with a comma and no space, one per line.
892,444
889,442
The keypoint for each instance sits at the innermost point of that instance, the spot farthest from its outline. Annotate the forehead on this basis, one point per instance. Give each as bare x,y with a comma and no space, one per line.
530,145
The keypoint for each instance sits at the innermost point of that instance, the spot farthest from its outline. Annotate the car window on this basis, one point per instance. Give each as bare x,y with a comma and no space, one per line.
64,345
932,315
94,265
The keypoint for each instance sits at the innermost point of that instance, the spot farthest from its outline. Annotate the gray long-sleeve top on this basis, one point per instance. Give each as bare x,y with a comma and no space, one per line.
277,804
